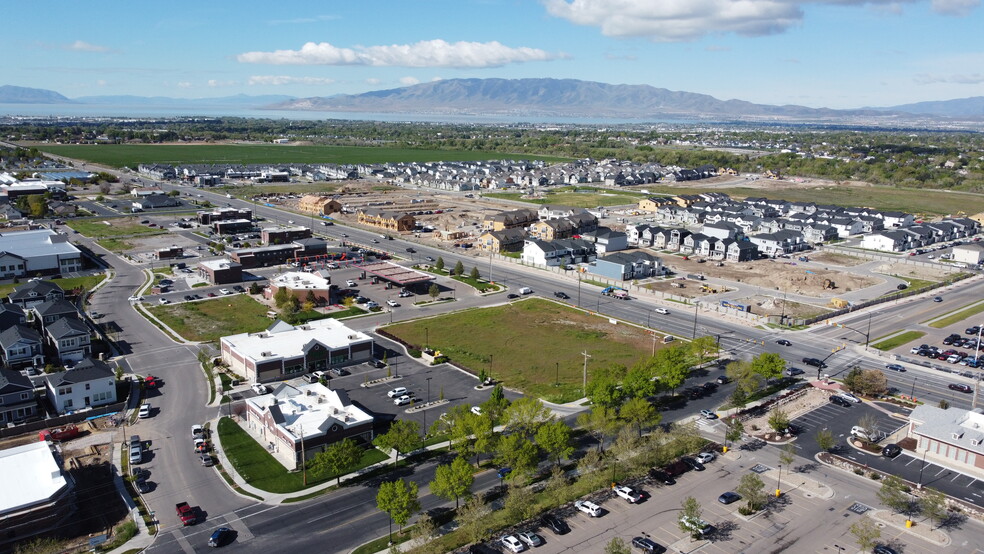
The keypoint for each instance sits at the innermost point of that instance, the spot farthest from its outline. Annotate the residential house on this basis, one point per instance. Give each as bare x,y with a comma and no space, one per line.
722,230
17,401
52,310
583,222
318,205
741,251
10,315
551,229
677,236
554,211
634,233
90,383
972,253
847,226
399,222
779,243
895,219
653,203
625,266
506,240
510,220
818,232
558,252
606,240
70,337
21,346
887,241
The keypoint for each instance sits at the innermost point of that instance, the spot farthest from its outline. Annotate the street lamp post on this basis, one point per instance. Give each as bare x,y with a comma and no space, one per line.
696,307
557,378
867,335
912,394
779,482
490,367
919,485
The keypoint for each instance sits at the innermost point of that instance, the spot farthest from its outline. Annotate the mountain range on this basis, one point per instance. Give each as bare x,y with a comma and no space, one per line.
525,98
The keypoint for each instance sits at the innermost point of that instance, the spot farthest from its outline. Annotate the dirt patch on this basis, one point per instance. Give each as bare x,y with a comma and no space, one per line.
773,305
911,271
811,399
686,288
837,258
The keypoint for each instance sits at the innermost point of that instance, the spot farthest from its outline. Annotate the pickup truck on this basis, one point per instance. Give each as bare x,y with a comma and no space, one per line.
186,513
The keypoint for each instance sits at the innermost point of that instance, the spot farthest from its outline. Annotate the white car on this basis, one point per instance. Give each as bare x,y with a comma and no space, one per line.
401,400
144,412
705,457
392,303
350,283
708,414
259,388
512,544
225,291
477,410
849,397
588,507
398,391
165,301
663,311
628,493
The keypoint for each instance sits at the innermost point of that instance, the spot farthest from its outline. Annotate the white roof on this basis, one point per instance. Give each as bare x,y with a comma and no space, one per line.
288,341
299,280
216,264
37,243
29,474
313,408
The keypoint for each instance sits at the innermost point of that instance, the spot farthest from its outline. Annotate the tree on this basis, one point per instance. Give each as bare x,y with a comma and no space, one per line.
517,452
600,422
689,516
873,382
787,455
703,349
933,505
894,495
525,415
453,480
639,382
281,297
735,430
778,419
520,503
746,379
853,380
866,533
425,528
399,500
337,458
473,519
475,274
639,413
439,264
768,365
603,387
825,439
495,407
869,423
403,436
671,366
617,546
752,490
459,269
554,437
434,291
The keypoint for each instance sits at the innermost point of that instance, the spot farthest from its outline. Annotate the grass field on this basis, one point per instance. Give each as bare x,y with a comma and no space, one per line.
544,340
66,284
957,317
208,320
112,228
130,155
585,197
898,340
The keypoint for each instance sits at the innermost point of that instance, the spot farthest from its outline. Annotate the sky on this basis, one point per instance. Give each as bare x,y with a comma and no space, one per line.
816,53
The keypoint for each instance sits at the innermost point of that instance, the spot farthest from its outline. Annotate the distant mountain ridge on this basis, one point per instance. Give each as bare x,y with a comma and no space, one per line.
10,94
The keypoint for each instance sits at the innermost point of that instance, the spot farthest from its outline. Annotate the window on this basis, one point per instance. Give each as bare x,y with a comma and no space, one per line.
87,386
68,403
25,396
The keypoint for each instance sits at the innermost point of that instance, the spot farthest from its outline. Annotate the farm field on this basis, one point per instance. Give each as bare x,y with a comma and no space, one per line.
131,155
545,340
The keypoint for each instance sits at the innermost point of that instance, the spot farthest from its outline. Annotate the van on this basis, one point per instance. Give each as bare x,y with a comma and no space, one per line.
668,338
526,290
272,314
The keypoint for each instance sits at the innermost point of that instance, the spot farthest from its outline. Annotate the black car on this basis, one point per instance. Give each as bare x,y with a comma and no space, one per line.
238,288
693,463
814,362
512,296
884,549
901,286
710,386
562,295
729,497
411,250
378,364
891,450
189,297
840,401
555,524
895,367
647,545
937,299
661,476
959,387
783,342
220,536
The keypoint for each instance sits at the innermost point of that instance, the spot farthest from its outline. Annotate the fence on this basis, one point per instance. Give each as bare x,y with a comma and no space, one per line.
60,421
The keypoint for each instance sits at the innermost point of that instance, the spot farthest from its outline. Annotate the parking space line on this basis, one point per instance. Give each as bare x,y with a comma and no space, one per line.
942,470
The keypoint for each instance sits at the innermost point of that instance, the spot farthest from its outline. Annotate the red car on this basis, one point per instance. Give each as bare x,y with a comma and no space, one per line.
959,387
152,382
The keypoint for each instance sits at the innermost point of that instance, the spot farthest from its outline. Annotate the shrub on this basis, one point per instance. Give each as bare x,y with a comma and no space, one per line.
414,353
858,471
875,476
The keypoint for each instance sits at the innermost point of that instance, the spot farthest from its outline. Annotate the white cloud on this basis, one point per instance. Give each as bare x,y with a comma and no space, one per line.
958,79
427,53
409,81
218,83
277,80
83,46
685,20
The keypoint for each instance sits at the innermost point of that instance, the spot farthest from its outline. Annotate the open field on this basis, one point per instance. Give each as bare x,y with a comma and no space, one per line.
581,197
898,340
131,155
545,339
208,320
66,284
111,228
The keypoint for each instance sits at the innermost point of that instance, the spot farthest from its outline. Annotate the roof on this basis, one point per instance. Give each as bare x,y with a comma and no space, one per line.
34,289
311,408
299,280
961,428
86,370
215,265
18,332
394,272
11,381
29,475
972,247
626,258
38,243
67,326
289,341
54,307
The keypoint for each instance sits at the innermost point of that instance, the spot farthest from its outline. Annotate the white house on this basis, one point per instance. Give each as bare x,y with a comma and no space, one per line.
972,253
557,252
886,241
89,384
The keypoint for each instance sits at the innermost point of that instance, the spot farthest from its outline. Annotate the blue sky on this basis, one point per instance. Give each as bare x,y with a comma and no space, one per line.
819,53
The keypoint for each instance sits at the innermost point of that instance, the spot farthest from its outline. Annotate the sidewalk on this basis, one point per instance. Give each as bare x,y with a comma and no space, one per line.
143,538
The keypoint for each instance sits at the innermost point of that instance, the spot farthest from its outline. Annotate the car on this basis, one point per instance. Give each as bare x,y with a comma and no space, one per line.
378,364
530,539
706,457
259,388
894,367
339,371
197,431
723,380
562,295
707,414
238,288
412,250
661,476
351,283
398,391
142,485
201,446
972,330
794,371
402,400
628,493
212,295
814,362
188,298
477,410
405,294
371,305
207,460
709,387
891,450
512,544
152,382
849,397
374,241
164,301
662,311
555,524
135,441
512,296
783,342
840,401
694,464
588,507
225,291
392,303
937,299
729,497
915,349
144,412
344,235
647,545
429,259
883,549
960,387
136,454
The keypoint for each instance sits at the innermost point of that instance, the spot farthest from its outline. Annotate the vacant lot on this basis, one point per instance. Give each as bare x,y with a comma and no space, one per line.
528,344
208,320
111,228
581,197
131,155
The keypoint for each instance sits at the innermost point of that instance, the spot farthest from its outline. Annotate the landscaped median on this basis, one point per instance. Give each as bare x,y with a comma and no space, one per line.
956,317
894,340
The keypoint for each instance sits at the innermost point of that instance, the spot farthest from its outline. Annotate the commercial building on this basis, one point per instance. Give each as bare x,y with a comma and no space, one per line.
266,256
305,286
38,495
224,214
38,251
221,272
953,436
285,350
284,235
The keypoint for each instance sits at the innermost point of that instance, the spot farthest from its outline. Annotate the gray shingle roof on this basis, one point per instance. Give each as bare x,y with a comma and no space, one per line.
86,370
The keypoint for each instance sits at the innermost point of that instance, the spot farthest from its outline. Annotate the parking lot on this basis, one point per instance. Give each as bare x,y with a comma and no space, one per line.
838,420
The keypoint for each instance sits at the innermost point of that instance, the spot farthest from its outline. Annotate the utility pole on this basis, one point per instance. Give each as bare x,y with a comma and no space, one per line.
303,456
584,378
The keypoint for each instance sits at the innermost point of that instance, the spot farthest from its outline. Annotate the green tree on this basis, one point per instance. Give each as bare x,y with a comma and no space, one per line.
703,349
640,414
453,480
638,381
439,265
495,407
554,437
600,422
434,291
459,269
866,533
403,436
689,516
768,365
617,546
525,415
825,439
894,495
603,387
735,430
745,378
778,419
873,382
475,274
671,366
520,503
933,505
786,456
752,490
337,459
281,297
399,500
473,519
853,380
517,452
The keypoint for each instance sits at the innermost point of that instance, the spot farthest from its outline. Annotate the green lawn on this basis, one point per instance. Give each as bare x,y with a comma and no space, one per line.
208,320
130,155
898,340
259,468
526,344
957,316
112,228
585,197
67,284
